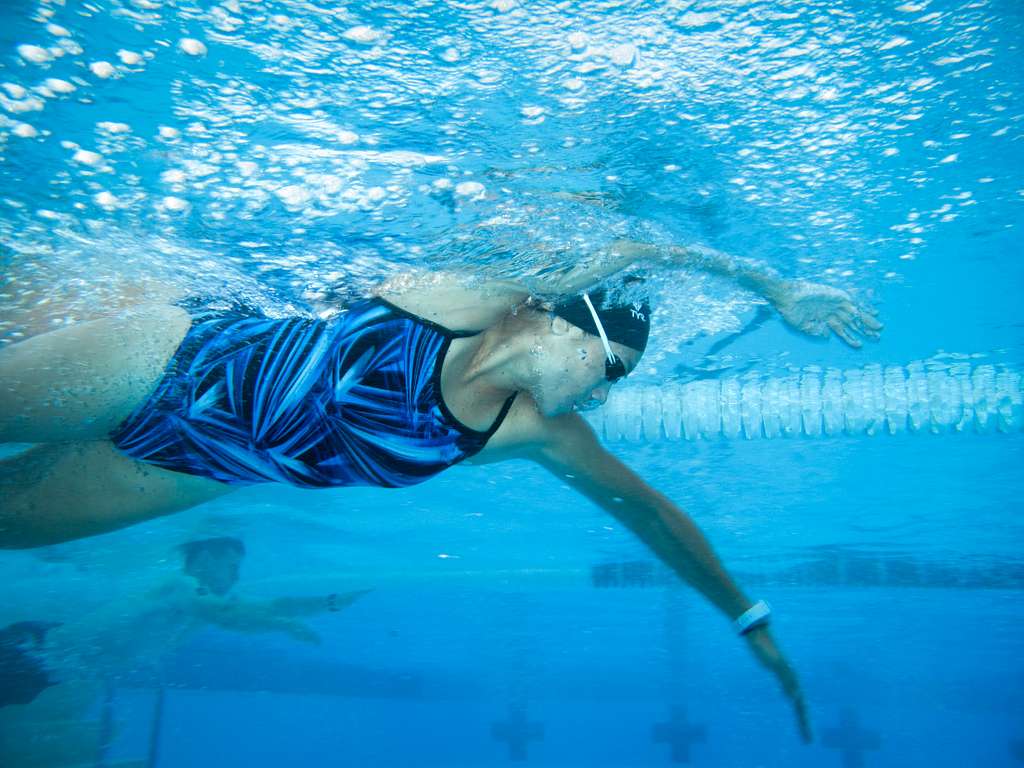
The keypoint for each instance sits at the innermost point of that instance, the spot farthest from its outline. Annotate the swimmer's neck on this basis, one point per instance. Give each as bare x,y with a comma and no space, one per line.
493,364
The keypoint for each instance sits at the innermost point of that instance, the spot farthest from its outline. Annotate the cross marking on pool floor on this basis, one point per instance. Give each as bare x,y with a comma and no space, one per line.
679,734
517,732
850,740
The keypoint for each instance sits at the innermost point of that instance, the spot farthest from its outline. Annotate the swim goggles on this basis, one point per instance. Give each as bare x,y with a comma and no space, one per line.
614,368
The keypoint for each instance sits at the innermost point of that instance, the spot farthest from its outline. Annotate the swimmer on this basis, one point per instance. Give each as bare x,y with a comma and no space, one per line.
136,633
164,406
213,566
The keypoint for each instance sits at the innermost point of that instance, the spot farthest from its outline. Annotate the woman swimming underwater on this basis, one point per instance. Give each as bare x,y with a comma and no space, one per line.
166,406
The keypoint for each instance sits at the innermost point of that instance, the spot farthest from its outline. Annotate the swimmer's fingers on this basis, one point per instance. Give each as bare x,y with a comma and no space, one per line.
791,687
802,718
856,323
844,332
868,318
845,316
814,328
864,316
768,654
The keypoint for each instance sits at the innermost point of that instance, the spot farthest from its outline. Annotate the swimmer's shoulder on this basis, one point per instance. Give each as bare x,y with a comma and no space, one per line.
453,301
527,434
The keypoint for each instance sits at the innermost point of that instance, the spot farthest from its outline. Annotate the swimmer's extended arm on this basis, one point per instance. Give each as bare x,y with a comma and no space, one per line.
572,452
466,302
811,308
623,253
456,301
575,455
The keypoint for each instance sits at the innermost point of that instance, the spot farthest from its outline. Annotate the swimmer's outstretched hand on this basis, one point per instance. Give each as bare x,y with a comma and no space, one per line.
819,310
763,647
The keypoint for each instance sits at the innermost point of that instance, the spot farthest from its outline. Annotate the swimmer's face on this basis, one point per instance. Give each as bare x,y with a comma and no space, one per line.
571,369
216,573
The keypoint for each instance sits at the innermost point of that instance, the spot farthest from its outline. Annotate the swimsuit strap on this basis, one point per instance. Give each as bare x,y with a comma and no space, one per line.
450,334
502,414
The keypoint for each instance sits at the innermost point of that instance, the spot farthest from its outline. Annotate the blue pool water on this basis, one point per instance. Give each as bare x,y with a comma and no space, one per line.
297,153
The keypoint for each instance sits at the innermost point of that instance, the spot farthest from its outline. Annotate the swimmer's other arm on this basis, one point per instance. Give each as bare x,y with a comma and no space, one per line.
811,308
569,448
459,301
623,253
464,300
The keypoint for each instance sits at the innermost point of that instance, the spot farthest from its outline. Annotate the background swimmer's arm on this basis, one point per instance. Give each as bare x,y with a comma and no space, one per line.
312,606
252,617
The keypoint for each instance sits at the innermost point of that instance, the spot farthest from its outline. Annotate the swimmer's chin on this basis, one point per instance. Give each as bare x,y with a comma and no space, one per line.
556,410
584,407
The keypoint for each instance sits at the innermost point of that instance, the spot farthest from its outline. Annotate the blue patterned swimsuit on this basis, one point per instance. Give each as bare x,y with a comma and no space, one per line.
351,401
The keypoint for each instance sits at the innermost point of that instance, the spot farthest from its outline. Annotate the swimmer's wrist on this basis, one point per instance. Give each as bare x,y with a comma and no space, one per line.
766,284
756,617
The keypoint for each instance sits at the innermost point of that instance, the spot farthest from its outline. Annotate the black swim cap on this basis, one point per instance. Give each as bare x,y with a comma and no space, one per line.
629,324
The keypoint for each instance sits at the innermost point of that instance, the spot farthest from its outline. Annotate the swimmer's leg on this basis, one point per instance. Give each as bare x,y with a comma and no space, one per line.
55,493
80,382
39,302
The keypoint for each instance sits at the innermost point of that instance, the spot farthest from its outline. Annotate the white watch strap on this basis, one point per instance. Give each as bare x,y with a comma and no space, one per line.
756,615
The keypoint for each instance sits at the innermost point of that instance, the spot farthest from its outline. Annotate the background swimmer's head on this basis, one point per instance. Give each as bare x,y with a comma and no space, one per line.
23,673
570,372
214,563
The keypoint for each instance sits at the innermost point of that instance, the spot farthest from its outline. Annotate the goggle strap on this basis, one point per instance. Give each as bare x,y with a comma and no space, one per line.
600,328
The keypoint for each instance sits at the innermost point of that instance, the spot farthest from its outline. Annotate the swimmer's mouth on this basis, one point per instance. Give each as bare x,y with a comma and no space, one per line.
588,405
